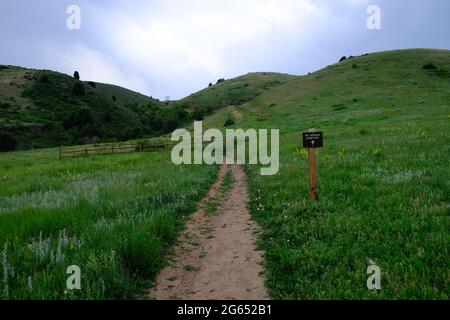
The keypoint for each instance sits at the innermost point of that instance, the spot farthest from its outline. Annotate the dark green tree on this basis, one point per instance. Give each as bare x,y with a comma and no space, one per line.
78,89
7,142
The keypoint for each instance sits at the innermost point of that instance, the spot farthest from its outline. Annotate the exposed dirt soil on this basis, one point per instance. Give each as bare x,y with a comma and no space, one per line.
216,257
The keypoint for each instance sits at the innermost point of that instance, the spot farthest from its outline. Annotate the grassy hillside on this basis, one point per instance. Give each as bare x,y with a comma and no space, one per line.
232,92
384,178
384,193
45,108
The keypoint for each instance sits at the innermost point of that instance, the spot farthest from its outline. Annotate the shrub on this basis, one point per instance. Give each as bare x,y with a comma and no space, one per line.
230,122
220,80
92,84
44,78
79,118
429,66
210,84
114,98
107,116
363,132
343,59
78,89
198,114
7,142
170,125
130,133
76,75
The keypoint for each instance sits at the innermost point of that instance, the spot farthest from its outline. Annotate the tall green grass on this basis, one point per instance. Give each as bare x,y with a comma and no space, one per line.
113,216
384,180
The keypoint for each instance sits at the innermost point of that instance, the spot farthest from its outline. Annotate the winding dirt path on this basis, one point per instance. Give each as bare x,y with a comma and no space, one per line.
216,257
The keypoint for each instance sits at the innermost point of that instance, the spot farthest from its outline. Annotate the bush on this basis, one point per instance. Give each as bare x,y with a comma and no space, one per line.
129,134
170,125
343,59
210,84
92,84
76,75
7,142
79,119
229,123
44,78
78,89
114,98
198,114
220,81
107,116
429,66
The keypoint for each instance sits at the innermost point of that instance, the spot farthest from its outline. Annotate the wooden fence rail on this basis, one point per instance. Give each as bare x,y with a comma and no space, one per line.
85,152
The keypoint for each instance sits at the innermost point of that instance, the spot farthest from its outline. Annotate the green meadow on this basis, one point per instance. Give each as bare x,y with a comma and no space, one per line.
384,180
384,191
113,216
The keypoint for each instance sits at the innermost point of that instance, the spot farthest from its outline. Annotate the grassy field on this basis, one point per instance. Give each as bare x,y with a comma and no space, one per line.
384,179
384,191
113,216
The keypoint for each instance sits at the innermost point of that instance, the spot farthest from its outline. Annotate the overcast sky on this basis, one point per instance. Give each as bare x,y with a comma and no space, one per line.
176,47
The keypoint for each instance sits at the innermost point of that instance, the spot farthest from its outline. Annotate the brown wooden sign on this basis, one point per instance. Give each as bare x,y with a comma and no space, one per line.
313,139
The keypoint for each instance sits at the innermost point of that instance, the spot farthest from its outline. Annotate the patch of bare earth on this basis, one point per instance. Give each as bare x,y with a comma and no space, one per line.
216,257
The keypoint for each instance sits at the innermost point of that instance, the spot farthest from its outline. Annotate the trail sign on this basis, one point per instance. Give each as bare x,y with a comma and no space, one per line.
312,140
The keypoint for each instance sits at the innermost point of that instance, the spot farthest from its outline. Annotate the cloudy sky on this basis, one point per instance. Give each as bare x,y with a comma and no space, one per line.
176,47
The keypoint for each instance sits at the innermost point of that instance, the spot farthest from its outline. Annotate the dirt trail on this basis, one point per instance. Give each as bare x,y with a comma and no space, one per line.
216,257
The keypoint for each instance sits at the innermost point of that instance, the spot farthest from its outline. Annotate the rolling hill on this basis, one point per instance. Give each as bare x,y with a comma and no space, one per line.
384,184
384,192
44,108
391,81
232,92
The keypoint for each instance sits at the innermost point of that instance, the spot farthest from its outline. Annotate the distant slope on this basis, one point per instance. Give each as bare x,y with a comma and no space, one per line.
370,85
384,178
45,108
234,91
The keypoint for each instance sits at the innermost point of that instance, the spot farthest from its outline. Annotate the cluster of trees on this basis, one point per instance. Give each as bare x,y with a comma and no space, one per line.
164,120
7,142
80,115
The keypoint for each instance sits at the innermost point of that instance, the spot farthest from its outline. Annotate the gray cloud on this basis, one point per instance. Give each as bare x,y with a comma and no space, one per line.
175,47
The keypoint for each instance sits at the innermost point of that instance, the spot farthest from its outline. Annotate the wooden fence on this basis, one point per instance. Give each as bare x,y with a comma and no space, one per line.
85,152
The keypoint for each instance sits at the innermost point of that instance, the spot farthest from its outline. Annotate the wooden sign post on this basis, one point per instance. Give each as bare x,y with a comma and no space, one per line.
313,139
